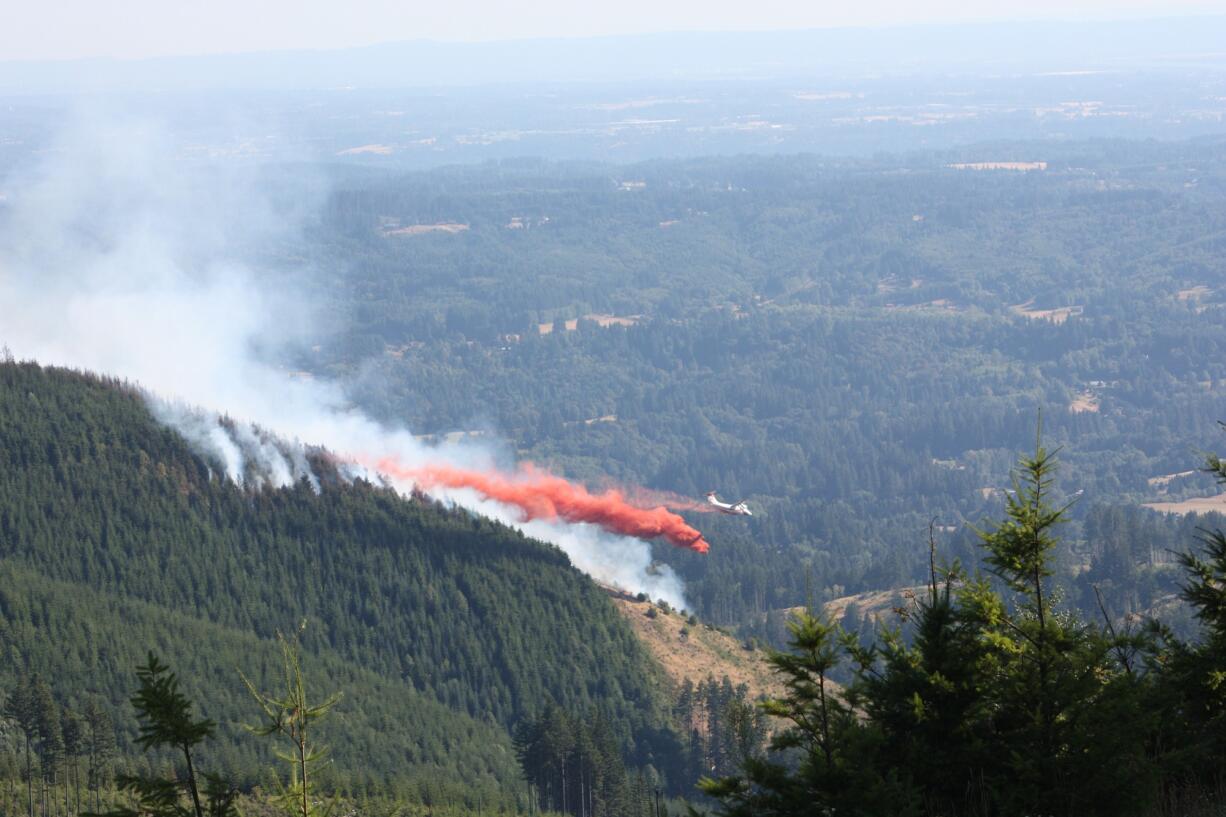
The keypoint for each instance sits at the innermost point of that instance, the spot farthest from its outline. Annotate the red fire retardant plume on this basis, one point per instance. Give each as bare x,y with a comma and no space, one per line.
540,495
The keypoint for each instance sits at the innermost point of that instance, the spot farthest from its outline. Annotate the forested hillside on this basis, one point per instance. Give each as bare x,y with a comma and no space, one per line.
859,349
443,631
855,346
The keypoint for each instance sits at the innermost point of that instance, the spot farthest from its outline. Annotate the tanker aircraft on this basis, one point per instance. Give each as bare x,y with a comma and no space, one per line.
735,508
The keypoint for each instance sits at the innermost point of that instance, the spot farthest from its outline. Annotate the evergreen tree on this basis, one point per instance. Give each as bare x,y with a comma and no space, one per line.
291,715
72,731
116,535
1192,676
21,709
99,748
831,768
50,747
926,696
1056,693
574,765
166,721
991,709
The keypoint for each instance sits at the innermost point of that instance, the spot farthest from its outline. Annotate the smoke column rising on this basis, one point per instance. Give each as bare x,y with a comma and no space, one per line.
119,256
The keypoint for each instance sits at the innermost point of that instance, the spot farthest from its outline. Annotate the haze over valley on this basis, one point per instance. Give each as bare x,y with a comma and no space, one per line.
423,371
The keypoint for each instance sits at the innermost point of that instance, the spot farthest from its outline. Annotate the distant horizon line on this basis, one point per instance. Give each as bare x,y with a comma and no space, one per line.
641,35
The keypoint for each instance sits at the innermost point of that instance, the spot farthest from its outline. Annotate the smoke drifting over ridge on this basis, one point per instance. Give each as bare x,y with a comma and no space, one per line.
119,257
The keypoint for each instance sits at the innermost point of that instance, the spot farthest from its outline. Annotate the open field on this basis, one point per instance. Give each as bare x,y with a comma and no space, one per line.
1022,166
1199,504
1057,316
1085,402
450,228
893,283
940,305
374,150
591,421
1194,293
694,651
877,604
1166,479
603,321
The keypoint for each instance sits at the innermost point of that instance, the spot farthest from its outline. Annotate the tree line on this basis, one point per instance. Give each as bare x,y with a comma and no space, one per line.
573,765
999,699
59,752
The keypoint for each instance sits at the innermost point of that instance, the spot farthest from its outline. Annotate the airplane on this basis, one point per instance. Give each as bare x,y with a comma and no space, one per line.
735,508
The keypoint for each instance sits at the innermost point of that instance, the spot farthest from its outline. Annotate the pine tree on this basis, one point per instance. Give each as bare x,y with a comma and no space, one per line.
1192,676
1019,554
574,765
73,733
293,717
20,708
833,770
1063,711
1201,668
927,698
50,739
166,721
993,708
99,747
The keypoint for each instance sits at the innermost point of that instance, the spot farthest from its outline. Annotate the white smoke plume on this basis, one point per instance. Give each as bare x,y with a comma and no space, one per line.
120,256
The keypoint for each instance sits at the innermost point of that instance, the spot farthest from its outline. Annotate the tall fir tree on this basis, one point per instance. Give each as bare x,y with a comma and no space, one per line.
21,709
50,740
290,714
167,722
99,749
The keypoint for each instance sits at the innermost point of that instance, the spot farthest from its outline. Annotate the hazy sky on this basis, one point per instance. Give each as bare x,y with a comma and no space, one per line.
56,29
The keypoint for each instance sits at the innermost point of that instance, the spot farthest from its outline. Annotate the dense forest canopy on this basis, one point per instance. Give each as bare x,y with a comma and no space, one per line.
115,539
856,346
